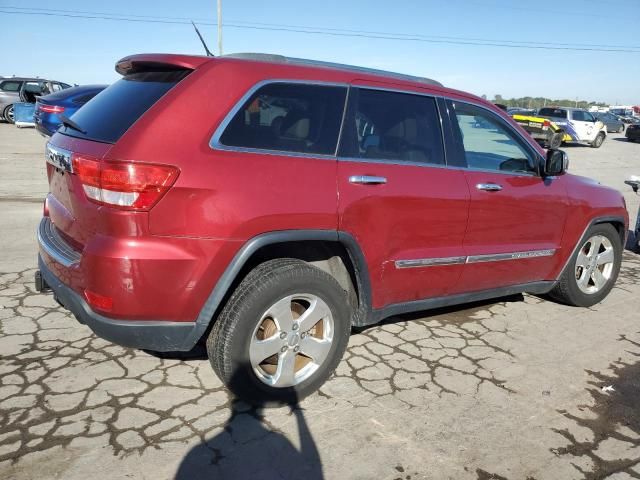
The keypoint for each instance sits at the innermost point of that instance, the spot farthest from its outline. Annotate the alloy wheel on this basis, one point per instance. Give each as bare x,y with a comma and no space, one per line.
594,265
291,340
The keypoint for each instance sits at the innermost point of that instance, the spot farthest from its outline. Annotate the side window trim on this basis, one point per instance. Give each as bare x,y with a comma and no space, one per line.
522,141
216,144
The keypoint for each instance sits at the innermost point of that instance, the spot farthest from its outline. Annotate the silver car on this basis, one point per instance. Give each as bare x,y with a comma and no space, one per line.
22,89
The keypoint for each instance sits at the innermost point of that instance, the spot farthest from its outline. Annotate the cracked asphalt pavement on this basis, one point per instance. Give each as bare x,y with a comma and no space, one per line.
516,388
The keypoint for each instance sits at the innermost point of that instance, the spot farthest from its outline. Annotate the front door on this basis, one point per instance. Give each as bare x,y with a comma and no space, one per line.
406,209
585,125
516,218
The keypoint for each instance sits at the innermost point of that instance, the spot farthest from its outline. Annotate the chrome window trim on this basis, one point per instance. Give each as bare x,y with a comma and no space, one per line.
459,260
215,144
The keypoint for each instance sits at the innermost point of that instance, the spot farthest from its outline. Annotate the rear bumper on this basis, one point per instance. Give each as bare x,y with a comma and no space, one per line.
161,336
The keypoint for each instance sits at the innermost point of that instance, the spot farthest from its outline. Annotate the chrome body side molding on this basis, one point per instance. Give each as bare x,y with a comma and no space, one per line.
492,257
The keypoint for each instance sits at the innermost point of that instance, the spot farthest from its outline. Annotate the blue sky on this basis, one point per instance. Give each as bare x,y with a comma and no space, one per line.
80,50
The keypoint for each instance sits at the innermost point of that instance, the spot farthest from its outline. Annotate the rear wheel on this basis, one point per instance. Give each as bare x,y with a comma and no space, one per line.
597,142
556,140
281,334
592,270
7,113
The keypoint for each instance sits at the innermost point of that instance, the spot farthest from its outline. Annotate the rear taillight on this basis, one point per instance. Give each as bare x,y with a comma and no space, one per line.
546,123
124,185
51,108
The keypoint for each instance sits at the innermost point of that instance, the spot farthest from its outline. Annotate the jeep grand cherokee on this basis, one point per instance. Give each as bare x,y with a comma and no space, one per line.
266,205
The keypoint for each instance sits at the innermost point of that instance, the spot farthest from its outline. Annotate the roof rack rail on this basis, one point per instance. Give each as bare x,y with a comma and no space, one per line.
273,58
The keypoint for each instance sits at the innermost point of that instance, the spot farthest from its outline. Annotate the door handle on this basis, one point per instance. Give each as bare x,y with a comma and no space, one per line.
489,187
367,180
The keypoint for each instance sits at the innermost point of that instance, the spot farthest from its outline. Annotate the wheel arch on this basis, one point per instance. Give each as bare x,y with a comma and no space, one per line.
617,222
337,253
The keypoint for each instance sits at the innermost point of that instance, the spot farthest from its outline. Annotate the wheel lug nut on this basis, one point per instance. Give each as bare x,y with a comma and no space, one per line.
296,349
283,335
295,326
283,349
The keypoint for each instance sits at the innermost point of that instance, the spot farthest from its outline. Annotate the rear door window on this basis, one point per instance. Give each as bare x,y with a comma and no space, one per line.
553,112
111,114
288,117
393,126
10,86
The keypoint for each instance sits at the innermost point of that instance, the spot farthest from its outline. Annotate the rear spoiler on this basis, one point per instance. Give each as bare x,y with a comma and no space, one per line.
159,62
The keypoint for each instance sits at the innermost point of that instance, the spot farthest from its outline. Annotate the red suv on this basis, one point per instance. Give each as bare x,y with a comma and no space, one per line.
267,205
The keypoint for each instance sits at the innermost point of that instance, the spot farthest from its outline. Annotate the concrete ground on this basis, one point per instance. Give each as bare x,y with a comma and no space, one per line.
518,388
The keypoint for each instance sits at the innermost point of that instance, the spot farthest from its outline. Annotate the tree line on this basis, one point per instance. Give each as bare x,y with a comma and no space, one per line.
539,102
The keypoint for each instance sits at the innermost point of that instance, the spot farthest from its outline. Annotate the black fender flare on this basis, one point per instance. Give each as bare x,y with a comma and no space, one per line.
224,283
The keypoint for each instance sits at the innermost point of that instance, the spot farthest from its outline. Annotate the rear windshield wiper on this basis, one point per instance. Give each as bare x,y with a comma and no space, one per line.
67,122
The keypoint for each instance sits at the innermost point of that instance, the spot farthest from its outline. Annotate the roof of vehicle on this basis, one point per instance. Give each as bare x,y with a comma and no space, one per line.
28,79
129,63
73,91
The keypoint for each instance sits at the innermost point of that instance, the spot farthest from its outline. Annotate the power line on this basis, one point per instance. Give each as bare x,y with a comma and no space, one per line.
240,24
329,31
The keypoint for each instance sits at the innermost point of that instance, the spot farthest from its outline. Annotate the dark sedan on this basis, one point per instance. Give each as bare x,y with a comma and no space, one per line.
633,132
67,102
613,122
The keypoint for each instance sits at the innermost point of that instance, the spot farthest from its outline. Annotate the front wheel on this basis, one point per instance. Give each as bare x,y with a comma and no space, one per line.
592,270
281,334
597,143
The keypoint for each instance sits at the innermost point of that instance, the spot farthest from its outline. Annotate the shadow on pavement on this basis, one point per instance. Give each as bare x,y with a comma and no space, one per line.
249,447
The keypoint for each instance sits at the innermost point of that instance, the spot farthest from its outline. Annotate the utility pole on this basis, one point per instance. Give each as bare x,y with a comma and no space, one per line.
219,27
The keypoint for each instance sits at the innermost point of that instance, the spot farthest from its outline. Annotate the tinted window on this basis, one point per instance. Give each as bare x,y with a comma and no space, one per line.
10,86
394,126
488,144
581,116
553,112
289,117
112,112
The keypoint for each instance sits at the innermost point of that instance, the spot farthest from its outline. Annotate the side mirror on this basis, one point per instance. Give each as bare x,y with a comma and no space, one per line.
633,182
557,162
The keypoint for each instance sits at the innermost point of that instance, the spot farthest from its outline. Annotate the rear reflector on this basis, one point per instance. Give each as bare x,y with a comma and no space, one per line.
51,109
125,185
99,302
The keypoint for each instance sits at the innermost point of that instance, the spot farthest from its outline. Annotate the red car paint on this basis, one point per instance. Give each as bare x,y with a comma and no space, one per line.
162,264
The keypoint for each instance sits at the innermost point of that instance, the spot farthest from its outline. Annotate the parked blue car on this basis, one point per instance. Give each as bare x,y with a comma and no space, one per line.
67,102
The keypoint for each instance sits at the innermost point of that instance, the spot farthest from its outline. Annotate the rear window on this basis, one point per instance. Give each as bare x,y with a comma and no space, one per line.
289,118
553,112
110,114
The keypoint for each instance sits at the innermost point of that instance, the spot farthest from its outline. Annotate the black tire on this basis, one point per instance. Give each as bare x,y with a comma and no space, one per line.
556,140
7,114
598,141
229,340
567,291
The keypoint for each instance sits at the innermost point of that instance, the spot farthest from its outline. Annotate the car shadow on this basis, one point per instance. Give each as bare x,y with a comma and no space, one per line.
248,446
622,139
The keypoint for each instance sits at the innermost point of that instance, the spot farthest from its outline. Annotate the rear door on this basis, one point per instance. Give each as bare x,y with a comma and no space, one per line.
516,218
397,197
